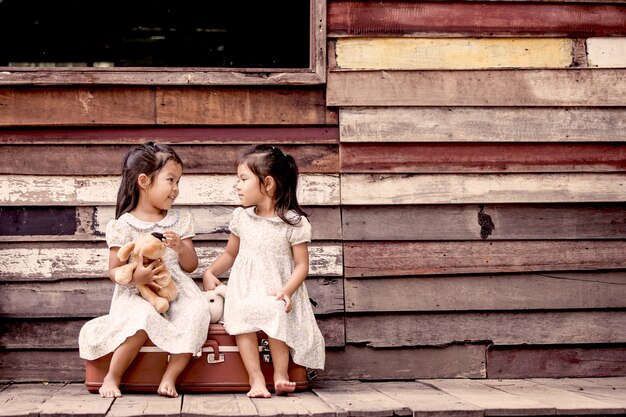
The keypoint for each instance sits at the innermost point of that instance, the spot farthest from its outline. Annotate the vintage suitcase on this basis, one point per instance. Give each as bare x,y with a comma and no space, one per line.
219,369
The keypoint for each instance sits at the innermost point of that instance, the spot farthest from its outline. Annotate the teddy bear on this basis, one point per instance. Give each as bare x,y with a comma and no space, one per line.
216,302
152,248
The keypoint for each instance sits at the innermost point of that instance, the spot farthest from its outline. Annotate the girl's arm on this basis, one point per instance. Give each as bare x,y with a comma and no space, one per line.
221,264
299,274
187,257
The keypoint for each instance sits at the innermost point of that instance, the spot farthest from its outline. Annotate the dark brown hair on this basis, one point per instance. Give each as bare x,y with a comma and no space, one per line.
267,160
147,159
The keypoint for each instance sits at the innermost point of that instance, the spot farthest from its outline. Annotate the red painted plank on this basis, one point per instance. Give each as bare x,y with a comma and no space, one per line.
175,135
481,157
397,18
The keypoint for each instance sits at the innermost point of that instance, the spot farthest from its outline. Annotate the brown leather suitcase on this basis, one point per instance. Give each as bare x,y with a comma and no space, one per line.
219,369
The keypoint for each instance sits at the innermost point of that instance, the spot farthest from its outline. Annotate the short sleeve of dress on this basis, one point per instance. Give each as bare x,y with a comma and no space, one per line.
300,232
116,233
187,229
233,226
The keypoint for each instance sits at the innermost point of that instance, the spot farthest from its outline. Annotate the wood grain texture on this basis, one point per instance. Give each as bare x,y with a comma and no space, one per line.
606,52
551,291
232,106
77,106
564,402
480,157
357,399
63,260
556,362
378,259
482,124
481,189
419,18
424,400
493,401
106,159
195,189
131,135
502,328
452,53
479,222
598,87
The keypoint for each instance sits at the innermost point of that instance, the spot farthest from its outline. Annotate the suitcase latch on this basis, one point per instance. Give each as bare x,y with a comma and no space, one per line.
210,358
264,351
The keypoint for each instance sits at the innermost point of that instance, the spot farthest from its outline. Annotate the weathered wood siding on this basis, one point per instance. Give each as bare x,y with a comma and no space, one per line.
482,186
464,167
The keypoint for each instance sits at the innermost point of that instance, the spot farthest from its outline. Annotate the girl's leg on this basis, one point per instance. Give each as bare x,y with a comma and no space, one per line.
122,358
249,351
176,365
280,359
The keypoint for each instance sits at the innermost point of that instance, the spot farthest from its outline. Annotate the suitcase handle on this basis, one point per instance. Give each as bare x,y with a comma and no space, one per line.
216,356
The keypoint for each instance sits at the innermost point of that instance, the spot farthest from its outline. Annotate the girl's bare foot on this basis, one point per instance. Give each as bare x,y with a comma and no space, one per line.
167,389
110,388
258,389
284,387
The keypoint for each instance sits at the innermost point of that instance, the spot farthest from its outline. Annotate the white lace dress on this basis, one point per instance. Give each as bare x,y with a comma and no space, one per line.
263,266
182,329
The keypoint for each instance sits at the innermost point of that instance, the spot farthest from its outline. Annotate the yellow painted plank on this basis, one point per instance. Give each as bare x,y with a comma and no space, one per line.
314,189
455,53
482,188
606,52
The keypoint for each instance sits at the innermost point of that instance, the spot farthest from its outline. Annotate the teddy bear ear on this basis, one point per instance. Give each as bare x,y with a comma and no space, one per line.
158,235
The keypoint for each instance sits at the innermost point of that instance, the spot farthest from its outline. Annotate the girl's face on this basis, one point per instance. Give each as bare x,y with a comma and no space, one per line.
162,192
249,187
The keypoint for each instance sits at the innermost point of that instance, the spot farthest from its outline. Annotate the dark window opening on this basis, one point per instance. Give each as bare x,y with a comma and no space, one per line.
158,33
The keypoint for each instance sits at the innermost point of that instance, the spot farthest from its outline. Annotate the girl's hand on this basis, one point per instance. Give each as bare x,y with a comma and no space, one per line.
282,295
172,240
210,281
146,275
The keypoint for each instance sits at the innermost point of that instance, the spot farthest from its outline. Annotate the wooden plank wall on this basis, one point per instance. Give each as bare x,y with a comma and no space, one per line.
60,156
482,151
464,165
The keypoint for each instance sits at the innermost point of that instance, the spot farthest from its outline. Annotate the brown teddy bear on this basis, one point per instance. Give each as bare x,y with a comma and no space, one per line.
152,248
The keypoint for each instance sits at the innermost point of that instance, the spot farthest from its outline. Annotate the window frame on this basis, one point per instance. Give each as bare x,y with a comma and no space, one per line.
176,76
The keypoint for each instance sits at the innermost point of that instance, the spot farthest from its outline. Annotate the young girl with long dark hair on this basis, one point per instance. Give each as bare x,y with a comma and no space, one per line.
149,186
268,253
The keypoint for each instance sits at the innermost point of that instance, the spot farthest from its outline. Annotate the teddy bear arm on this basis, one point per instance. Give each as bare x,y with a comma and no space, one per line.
124,252
124,273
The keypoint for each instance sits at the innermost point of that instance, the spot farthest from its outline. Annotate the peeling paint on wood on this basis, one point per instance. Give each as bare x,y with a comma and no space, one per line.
50,264
482,189
18,190
482,124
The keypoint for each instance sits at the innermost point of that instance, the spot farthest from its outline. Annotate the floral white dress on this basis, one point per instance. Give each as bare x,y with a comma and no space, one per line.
263,266
182,329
